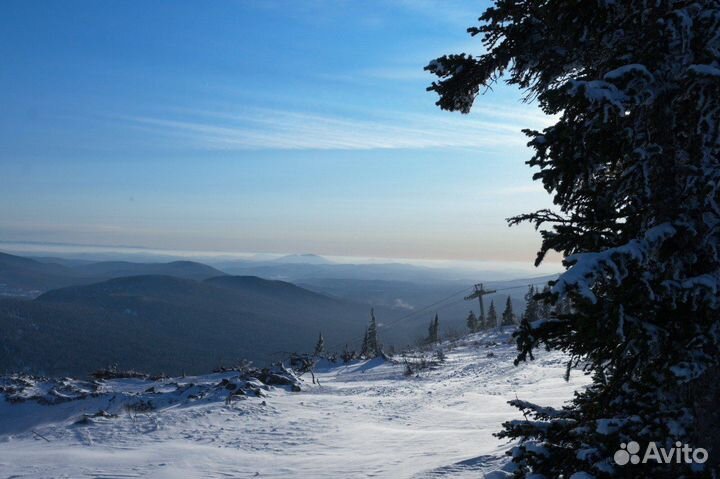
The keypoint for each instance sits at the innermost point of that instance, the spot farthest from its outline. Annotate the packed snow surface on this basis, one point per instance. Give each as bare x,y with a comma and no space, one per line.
363,419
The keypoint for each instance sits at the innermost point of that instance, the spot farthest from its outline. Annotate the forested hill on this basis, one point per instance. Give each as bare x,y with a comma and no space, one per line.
28,277
172,325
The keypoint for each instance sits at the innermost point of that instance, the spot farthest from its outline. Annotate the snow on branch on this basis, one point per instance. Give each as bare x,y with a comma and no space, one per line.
587,267
628,84
544,412
633,69
704,70
599,91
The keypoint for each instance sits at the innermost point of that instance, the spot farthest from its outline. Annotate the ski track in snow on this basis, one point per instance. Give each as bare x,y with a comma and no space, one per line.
365,419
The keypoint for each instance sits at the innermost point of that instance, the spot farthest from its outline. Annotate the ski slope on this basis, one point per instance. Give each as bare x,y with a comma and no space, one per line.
364,419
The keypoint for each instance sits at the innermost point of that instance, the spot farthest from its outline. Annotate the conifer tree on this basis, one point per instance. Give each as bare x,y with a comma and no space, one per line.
563,306
320,346
492,317
472,322
434,330
372,344
348,355
508,316
532,308
633,163
544,305
364,349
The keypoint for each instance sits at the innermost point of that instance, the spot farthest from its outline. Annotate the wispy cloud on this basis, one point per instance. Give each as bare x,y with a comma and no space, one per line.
260,129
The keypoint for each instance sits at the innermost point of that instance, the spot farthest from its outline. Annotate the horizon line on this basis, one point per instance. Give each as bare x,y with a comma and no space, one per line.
197,253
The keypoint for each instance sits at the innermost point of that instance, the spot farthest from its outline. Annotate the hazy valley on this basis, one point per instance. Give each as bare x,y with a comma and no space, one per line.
75,316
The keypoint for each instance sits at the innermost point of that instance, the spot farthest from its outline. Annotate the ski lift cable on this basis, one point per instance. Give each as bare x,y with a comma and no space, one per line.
439,302
415,313
425,308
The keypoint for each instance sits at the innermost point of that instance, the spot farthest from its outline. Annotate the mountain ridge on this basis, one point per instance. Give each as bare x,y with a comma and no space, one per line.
165,324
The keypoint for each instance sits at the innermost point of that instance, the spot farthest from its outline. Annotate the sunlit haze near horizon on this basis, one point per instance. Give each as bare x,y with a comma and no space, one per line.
257,127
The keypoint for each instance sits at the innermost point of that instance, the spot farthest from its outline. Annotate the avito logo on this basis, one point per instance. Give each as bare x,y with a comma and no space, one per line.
680,454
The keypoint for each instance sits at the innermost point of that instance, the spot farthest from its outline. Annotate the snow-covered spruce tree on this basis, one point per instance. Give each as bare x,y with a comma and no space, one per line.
472,322
532,308
492,317
508,316
544,307
372,344
364,349
632,164
320,346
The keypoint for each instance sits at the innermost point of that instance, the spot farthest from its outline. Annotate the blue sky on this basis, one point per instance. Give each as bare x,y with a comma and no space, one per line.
254,126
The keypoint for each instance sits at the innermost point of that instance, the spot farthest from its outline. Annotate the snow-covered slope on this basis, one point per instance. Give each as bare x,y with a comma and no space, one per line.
364,419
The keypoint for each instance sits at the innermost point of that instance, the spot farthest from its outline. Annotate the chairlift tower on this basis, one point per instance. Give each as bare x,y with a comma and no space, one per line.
478,292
